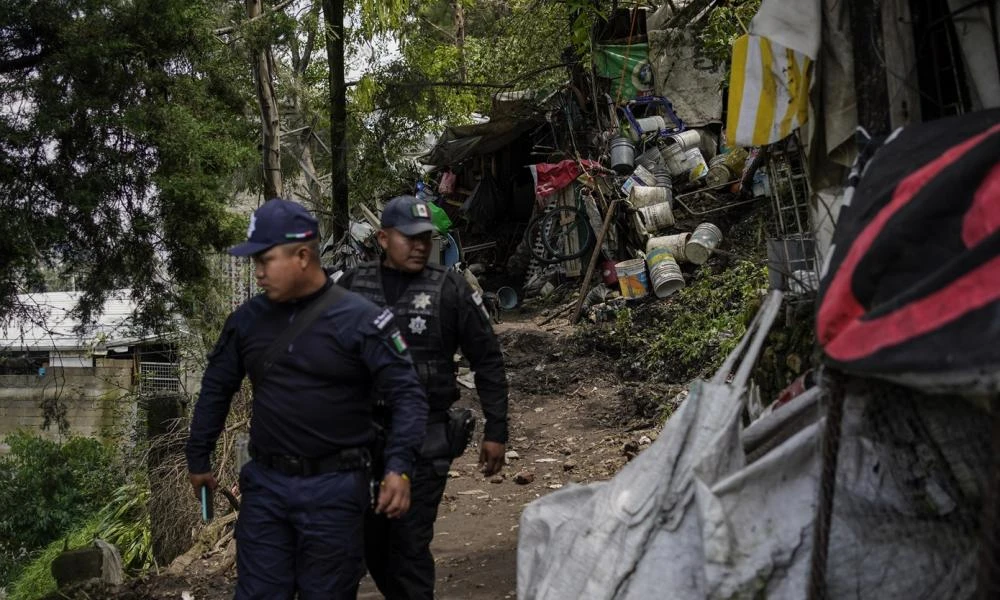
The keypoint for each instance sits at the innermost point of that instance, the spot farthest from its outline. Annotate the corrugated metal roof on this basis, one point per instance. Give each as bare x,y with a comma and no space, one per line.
56,327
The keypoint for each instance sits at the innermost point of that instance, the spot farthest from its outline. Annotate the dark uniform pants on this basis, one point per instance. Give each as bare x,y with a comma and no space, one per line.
398,551
300,534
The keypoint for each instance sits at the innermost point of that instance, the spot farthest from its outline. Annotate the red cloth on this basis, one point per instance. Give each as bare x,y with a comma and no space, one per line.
550,178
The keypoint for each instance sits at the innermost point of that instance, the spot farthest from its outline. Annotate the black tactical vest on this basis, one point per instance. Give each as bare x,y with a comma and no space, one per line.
418,314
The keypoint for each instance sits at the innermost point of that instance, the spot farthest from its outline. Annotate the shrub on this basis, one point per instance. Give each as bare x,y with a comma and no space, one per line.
124,522
686,336
47,489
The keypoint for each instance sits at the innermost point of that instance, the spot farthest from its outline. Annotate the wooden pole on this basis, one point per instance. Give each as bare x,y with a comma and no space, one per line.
585,285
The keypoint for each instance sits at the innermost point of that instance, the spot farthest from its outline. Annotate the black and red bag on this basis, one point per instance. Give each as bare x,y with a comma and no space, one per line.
912,287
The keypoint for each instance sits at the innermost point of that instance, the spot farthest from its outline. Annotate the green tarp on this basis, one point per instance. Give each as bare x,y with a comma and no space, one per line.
628,68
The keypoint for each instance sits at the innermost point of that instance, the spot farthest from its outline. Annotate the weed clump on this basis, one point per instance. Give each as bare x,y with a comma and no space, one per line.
685,336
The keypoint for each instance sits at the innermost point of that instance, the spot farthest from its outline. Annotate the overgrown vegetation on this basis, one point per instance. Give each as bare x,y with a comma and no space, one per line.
125,124
687,336
725,23
123,522
789,350
48,489
443,74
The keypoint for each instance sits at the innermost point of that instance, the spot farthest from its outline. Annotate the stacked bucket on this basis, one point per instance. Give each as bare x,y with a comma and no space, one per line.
662,260
679,158
664,253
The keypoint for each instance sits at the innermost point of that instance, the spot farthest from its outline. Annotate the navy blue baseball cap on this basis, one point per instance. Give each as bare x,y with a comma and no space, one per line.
408,215
277,221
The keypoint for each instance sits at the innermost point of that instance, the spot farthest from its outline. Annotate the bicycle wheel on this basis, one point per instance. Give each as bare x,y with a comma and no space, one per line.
551,233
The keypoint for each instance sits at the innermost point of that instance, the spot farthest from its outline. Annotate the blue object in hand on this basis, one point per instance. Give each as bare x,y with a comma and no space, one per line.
207,511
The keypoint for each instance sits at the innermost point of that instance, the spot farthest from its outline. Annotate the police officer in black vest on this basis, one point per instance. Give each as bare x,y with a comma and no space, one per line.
438,313
306,491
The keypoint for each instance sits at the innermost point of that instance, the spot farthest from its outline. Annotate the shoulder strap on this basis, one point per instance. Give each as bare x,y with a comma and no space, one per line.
310,314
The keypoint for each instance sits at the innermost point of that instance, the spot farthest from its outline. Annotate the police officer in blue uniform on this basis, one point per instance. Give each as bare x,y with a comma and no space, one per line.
438,313
306,491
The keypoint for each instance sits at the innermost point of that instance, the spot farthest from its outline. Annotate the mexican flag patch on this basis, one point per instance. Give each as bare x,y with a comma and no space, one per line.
399,342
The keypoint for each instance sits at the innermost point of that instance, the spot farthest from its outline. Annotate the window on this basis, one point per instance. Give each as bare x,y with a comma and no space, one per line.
159,378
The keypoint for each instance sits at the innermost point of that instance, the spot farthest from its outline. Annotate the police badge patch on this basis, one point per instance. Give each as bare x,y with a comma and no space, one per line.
421,301
418,325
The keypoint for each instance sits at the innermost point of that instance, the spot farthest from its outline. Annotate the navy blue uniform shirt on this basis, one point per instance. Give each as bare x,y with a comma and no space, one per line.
316,398
463,326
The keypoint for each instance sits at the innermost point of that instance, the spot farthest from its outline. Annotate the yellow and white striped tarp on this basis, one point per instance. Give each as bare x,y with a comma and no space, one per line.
768,91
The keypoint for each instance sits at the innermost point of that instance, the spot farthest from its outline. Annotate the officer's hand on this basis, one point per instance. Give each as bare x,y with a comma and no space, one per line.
200,479
491,457
393,496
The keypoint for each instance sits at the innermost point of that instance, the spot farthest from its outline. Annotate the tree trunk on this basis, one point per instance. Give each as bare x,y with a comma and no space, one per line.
298,119
460,38
333,13
263,68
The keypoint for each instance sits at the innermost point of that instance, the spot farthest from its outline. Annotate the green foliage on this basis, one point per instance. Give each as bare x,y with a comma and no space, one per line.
46,489
400,102
726,22
118,156
708,319
379,16
687,336
35,581
529,37
123,522
585,14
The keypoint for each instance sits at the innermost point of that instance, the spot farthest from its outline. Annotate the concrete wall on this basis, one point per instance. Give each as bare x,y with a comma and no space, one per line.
93,398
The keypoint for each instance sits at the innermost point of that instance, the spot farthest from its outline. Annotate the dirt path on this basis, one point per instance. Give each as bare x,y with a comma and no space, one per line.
570,423
560,407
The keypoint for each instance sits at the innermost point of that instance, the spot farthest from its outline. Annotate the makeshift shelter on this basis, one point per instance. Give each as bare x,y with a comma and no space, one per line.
462,142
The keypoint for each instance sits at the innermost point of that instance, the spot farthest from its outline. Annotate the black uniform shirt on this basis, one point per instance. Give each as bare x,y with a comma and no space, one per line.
316,398
464,325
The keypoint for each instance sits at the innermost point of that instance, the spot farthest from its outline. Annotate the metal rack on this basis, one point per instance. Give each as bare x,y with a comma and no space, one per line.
792,243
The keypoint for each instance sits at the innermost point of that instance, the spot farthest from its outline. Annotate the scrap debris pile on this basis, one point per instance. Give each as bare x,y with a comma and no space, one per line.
622,175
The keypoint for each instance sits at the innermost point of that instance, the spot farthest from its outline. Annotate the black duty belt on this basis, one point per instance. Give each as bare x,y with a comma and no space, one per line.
349,459
435,367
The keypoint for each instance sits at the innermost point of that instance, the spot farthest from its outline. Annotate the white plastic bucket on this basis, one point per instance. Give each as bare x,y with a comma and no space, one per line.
632,279
704,239
644,195
697,168
687,139
662,178
665,275
657,216
674,158
649,160
674,244
647,125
